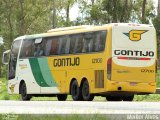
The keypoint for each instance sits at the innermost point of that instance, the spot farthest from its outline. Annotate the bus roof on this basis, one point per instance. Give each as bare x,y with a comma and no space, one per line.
69,28
78,29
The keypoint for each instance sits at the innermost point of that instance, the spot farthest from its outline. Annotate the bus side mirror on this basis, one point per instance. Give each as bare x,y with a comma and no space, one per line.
5,58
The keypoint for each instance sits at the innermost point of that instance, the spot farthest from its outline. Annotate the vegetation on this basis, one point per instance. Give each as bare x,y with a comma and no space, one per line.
3,91
54,117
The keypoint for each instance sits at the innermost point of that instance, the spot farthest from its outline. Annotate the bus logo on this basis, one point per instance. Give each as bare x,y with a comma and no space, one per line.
135,35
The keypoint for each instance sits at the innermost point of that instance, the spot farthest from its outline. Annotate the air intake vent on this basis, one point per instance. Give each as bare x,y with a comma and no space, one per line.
99,78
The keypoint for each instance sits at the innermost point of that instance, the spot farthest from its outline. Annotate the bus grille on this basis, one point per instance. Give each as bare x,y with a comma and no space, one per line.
99,78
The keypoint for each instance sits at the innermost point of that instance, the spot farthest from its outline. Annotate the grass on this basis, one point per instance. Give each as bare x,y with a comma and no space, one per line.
147,98
3,91
52,117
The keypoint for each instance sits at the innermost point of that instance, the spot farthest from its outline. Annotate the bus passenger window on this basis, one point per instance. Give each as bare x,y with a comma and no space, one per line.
67,45
48,46
64,45
88,42
102,40
39,49
96,42
59,51
79,44
72,44
27,48
99,41
53,50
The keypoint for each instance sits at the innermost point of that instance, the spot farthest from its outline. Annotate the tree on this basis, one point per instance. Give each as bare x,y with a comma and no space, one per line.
21,17
158,10
108,11
63,10
156,22
26,18
1,53
125,12
143,11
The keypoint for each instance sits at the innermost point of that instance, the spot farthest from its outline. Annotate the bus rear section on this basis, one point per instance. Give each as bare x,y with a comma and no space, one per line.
133,61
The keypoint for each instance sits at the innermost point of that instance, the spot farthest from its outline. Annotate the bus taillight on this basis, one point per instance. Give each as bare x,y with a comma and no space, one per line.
109,68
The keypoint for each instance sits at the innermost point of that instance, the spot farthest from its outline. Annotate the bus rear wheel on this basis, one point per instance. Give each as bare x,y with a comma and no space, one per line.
23,92
62,97
85,92
76,91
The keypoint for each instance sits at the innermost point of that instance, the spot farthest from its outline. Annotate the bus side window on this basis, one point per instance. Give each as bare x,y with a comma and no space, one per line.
96,42
54,47
67,45
48,46
99,41
79,43
72,44
27,48
39,49
102,42
59,45
64,44
88,43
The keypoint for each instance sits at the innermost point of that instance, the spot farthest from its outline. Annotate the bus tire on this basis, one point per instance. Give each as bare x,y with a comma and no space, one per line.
85,92
62,97
113,98
128,98
23,92
76,91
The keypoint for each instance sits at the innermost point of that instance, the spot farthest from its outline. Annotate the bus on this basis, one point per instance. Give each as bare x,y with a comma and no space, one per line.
115,61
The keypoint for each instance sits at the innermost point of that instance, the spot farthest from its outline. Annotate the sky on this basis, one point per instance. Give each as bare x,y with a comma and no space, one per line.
1,40
75,10
155,3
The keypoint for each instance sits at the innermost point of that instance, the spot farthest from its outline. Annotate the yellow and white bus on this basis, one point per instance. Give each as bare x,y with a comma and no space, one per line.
115,61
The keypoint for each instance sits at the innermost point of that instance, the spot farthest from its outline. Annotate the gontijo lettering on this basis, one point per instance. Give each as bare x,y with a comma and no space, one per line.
134,53
66,62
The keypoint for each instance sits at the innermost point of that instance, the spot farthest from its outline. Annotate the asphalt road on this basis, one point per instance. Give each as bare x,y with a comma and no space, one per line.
72,107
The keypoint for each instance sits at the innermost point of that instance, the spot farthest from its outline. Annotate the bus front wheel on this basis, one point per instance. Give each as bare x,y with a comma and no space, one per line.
76,91
23,92
85,92
62,97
